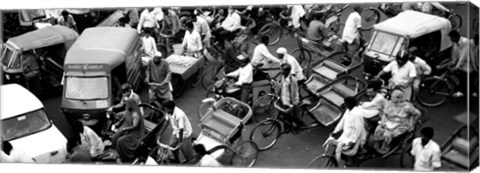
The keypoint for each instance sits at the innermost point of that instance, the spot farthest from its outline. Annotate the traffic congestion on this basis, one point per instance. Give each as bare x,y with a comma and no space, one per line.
319,86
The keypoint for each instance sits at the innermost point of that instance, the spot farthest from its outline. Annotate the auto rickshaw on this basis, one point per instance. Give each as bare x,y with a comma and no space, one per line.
35,59
427,32
99,62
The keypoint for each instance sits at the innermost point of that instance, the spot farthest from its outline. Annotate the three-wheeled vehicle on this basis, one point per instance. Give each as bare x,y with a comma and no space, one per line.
35,59
427,32
100,61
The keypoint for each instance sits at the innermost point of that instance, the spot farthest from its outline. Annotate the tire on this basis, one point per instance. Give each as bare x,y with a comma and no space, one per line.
304,59
322,161
208,78
264,108
273,31
370,17
456,21
246,154
203,109
265,134
433,92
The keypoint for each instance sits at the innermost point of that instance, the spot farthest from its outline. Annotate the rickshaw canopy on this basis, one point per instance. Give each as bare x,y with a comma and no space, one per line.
414,24
102,45
48,36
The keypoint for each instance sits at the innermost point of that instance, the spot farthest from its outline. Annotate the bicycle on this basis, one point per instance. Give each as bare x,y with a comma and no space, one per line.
276,28
435,90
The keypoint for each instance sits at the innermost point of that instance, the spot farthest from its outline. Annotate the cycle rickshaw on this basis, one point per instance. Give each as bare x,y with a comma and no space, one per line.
323,107
401,145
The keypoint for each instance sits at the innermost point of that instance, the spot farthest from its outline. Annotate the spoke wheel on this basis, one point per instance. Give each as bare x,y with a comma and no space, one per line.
433,92
246,154
322,162
208,77
265,134
303,56
264,108
273,31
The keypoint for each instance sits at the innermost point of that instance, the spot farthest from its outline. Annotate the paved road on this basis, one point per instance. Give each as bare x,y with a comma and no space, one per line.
296,151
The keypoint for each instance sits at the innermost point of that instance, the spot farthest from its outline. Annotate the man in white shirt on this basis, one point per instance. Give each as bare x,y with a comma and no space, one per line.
182,129
426,151
245,77
147,22
232,22
422,69
202,27
296,13
296,70
192,40
351,32
149,47
350,132
374,105
262,55
403,73
12,155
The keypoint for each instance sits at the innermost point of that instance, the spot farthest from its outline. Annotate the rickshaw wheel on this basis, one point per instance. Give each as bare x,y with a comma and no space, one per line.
264,108
246,154
265,134
433,92
304,58
203,109
273,31
322,161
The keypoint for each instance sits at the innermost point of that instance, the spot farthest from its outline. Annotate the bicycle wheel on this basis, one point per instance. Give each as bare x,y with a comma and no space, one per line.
265,134
370,17
273,31
322,161
209,77
264,108
303,58
433,92
246,154
456,21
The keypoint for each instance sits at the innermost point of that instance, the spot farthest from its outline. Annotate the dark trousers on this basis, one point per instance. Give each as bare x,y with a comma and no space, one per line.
246,90
463,82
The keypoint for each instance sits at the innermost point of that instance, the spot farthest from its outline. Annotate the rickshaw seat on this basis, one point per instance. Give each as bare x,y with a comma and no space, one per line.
315,82
460,150
337,93
260,83
330,69
221,121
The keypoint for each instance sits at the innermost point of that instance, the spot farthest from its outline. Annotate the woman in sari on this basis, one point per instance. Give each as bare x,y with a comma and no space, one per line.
399,117
128,137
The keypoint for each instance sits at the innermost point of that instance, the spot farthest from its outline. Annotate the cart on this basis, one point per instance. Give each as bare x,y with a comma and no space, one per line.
221,132
184,69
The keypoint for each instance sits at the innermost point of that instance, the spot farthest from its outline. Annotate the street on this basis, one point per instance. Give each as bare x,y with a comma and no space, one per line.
297,150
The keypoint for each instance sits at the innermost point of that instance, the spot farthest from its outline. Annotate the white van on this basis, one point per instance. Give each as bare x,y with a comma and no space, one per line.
26,125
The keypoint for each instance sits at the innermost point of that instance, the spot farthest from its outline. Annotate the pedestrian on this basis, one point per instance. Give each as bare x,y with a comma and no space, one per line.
10,154
296,12
202,27
351,32
192,41
148,22
426,151
88,138
158,71
182,130
66,19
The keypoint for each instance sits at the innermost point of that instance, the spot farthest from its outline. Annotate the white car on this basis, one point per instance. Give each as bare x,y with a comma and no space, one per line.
25,123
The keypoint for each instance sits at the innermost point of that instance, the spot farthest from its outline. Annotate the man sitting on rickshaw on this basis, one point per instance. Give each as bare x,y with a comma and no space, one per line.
349,134
126,93
245,77
422,69
375,104
402,71
399,117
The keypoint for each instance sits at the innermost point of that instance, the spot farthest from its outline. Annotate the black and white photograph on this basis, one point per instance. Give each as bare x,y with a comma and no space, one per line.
303,86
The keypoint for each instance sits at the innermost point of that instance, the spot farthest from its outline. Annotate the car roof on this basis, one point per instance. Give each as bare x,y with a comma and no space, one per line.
44,37
413,24
102,45
16,100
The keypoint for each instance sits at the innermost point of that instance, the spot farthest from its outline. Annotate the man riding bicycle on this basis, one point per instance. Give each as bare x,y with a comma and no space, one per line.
289,96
